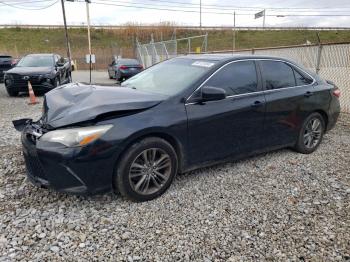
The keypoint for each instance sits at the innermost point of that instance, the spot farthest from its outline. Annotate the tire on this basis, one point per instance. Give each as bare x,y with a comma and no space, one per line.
109,75
11,92
139,182
118,77
310,137
56,82
69,78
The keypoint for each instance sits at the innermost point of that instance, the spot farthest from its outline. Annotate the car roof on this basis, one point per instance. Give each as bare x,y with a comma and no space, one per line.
229,57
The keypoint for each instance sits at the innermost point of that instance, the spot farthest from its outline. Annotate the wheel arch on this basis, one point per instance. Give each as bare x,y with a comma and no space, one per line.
325,117
175,143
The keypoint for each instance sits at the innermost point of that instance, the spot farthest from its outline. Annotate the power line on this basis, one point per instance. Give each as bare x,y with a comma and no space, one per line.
27,8
140,6
137,5
231,7
27,2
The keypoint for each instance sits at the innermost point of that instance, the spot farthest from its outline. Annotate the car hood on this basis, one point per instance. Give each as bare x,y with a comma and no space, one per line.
75,103
30,70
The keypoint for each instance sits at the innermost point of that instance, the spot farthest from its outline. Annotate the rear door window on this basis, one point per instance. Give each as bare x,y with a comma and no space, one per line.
277,74
236,78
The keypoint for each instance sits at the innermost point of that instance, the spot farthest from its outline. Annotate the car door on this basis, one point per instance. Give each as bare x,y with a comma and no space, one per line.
289,98
232,126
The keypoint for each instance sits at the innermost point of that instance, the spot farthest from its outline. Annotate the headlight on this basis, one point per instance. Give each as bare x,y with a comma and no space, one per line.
76,136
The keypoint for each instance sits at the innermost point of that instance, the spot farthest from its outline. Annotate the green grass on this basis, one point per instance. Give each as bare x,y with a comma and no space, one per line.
106,42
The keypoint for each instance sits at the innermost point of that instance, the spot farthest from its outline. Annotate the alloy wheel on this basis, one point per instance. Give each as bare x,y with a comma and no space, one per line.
312,133
150,171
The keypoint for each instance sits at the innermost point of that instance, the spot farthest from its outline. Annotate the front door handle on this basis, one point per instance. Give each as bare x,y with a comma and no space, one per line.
308,94
257,103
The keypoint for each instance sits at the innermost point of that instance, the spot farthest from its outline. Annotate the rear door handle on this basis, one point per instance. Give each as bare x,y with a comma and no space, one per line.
257,104
308,94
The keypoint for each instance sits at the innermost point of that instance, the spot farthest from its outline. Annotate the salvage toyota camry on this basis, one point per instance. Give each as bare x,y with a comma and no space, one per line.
184,113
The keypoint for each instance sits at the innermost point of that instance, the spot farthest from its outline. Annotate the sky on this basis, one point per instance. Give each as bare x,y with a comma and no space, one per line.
102,14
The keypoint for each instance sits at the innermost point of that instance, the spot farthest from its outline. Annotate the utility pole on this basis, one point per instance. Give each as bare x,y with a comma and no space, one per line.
234,32
200,14
66,34
89,38
264,18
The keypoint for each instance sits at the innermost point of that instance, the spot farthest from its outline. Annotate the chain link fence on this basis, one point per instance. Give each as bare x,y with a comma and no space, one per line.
330,61
155,52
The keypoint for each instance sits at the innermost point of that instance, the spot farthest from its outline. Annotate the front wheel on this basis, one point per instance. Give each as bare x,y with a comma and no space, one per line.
56,82
146,170
311,134
70,78
11,93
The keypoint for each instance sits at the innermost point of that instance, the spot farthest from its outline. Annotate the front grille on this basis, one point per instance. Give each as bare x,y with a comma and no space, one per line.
18,80
5,67
32,134
34,166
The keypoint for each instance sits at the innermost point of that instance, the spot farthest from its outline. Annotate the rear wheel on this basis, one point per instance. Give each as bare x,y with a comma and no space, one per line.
118,77
146,170
311,134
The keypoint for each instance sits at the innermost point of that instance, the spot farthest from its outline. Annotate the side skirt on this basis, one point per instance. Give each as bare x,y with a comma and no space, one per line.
232,158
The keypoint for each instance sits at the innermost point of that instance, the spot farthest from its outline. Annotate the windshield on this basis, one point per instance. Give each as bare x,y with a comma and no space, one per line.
36,61
170,77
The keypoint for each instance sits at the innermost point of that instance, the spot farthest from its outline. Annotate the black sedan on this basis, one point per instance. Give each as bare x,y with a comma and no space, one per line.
122,69
44,71
136,138
6,63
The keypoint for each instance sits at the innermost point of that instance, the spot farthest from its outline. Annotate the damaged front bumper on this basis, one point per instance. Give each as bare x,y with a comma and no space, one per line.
70,170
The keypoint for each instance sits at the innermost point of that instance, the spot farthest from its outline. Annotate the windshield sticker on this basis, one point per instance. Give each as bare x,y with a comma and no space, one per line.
203,64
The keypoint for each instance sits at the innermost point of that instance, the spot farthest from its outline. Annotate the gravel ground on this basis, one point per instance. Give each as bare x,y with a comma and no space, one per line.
276,206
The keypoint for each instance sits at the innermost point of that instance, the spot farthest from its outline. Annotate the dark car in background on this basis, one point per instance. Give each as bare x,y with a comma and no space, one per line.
44,71
176,116
123,68
6,63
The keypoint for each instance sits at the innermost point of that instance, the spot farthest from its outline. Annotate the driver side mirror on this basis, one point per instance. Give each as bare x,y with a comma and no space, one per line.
210,93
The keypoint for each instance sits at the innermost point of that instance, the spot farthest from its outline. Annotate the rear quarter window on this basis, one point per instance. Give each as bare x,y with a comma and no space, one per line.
302,79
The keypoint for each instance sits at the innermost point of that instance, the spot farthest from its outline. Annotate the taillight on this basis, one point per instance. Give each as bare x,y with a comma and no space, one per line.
336,92
123,67
140,66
